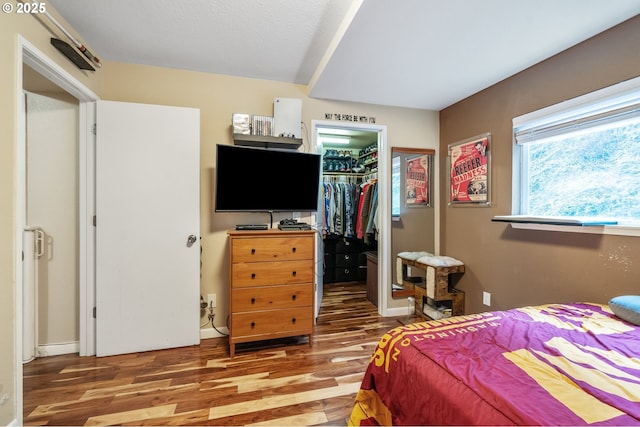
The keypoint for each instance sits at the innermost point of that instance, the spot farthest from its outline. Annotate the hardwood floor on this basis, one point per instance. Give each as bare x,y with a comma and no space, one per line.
284,382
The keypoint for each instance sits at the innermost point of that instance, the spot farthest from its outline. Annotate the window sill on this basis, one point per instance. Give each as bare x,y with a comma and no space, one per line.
570,225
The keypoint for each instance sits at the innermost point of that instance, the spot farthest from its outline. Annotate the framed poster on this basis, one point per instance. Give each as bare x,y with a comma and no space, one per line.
417,191
469,171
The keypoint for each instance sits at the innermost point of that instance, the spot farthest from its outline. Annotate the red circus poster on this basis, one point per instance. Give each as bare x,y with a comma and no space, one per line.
469,171
417,181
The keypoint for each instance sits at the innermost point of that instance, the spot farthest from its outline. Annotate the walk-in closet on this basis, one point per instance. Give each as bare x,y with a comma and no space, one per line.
350,211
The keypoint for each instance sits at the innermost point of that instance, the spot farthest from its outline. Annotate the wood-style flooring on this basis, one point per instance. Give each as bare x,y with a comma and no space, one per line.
286,382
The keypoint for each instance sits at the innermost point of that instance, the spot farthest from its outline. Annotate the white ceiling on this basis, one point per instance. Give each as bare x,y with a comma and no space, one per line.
425,54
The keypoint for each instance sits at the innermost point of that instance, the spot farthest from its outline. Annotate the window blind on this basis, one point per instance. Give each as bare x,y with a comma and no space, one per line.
590,119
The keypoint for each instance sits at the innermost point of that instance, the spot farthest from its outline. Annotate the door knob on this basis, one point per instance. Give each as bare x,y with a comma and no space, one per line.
191,240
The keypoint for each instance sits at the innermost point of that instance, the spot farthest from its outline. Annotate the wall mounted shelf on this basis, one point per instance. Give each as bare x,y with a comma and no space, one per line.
264,141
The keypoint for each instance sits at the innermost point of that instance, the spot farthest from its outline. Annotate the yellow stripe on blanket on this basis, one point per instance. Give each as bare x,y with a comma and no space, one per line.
618,387
563,389
369,405
589,321
580,354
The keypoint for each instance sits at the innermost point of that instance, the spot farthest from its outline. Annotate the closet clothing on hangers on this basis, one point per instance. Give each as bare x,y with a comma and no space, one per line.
340,201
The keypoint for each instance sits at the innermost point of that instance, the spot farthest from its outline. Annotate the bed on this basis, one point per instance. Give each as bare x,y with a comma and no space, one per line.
555,364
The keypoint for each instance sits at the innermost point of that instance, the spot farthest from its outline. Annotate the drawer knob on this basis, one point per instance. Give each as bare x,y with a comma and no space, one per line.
253,251
293,297
253,325
294,273
253,275
253,300
293,249
293,320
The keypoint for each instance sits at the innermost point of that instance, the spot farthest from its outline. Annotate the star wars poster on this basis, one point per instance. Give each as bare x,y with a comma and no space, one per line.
469,171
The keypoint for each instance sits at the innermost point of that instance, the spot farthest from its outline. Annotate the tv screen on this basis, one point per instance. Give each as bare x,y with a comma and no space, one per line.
266,180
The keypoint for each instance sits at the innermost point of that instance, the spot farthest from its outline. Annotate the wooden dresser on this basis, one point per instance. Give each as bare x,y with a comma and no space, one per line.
271,285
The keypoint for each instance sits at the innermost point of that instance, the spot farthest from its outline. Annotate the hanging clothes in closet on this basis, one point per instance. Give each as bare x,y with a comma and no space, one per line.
367,215
341,202
351,209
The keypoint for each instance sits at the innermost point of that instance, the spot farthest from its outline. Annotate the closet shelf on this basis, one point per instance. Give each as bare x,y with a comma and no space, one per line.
338,173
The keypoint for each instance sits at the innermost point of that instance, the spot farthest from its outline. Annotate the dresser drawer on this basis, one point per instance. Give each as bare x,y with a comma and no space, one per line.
271,273
272,322
258,249
271,297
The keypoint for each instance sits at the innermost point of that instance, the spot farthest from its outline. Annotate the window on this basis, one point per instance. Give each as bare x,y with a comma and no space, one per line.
581,158
396,181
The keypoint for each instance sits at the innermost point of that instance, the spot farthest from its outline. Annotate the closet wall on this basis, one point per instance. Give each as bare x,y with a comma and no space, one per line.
350,226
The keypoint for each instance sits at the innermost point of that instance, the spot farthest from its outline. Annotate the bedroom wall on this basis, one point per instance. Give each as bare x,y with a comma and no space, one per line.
522,267
218,97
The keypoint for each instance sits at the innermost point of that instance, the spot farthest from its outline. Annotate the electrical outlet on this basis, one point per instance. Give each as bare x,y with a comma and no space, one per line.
295,215
211,300
486,298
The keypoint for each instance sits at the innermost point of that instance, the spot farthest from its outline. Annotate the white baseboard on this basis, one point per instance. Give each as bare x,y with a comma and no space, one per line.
58,349
207,333
398,311
46,350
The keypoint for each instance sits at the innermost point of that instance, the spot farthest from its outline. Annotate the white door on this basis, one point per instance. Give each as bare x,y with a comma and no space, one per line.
147,227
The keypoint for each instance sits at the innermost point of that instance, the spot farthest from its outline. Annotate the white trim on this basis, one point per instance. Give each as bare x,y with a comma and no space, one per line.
33,57
618,97
582,102
20,223
399,311
58,349
615,230
27,53
87,235
207,333
384,203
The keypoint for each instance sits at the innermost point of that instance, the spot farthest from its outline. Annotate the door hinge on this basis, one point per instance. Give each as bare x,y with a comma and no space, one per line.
94,129
94,220
94,312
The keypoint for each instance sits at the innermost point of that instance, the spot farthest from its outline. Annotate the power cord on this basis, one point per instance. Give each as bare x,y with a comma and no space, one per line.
211,316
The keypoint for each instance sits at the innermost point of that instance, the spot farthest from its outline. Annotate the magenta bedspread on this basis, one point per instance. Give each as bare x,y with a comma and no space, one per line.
557,364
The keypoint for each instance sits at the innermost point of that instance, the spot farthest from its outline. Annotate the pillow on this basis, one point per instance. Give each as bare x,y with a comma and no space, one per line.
627,307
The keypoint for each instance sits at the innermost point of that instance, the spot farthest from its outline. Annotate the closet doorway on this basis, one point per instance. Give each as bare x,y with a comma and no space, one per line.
348,212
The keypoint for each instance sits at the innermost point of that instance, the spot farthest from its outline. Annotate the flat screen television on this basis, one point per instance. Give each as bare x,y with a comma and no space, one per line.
266,180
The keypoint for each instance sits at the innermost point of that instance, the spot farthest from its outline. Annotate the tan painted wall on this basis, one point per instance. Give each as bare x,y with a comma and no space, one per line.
218,97
521,267
11,26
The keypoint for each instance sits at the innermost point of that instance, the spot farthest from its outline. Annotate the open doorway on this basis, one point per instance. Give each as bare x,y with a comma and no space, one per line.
51,321
348,211
38,73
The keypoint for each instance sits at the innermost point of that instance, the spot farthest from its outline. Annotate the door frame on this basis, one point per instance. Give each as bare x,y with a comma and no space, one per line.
29,54
384,203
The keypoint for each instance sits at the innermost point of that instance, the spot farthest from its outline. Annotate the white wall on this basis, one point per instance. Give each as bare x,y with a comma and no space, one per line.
52,204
